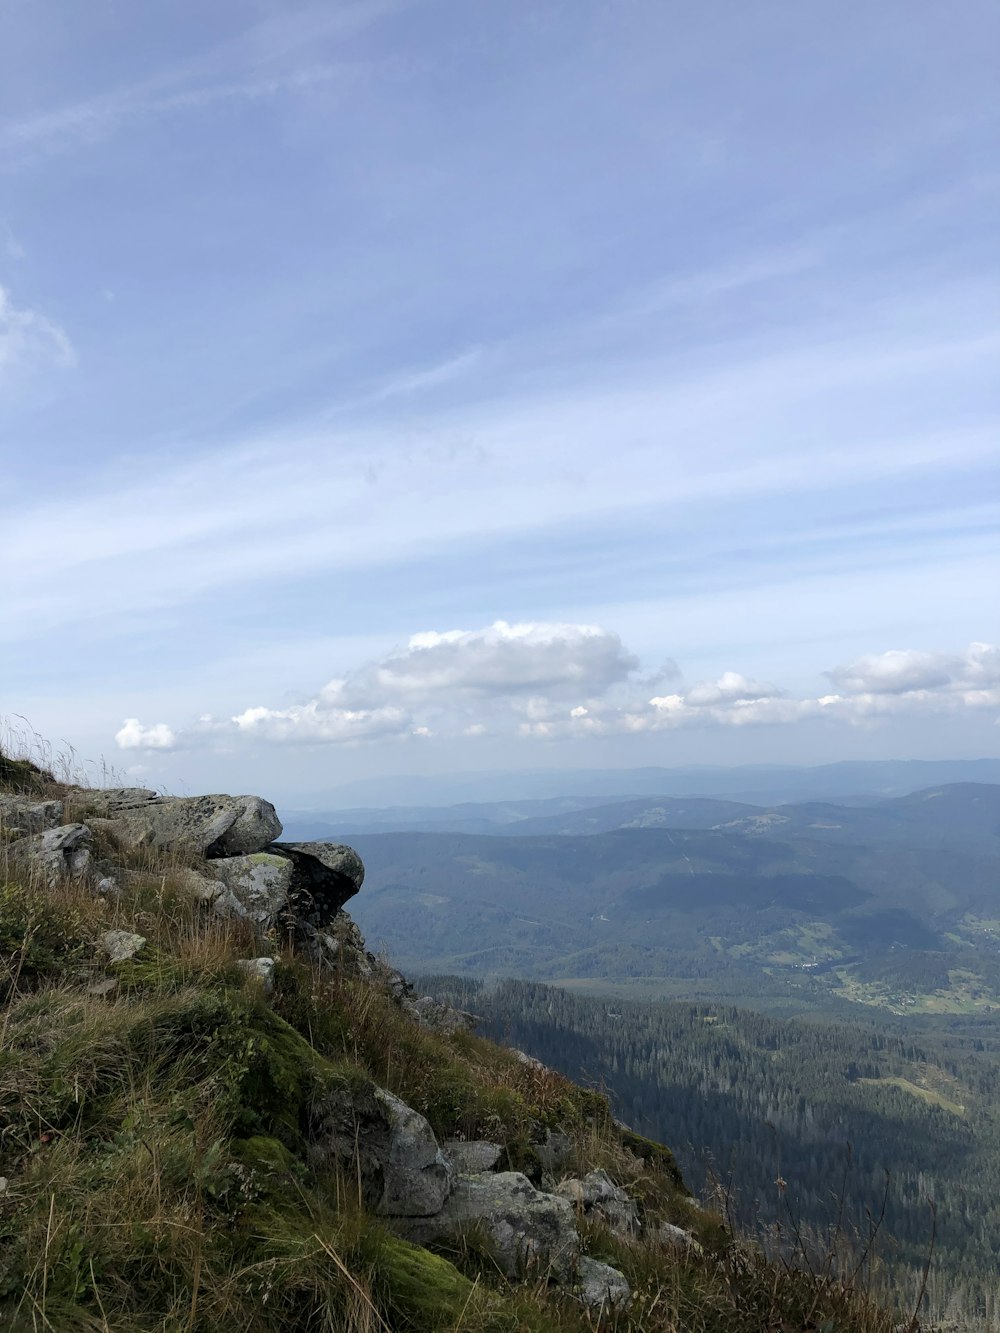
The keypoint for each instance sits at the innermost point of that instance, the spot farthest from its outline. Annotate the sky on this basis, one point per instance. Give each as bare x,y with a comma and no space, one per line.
418,386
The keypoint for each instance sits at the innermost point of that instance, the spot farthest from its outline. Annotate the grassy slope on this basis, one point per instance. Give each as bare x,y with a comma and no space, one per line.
155,1146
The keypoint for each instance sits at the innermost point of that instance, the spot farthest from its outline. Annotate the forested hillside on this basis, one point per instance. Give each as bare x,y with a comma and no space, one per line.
895,904
801,1123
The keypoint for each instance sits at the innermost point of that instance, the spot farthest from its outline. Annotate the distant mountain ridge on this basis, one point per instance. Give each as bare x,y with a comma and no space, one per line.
497,802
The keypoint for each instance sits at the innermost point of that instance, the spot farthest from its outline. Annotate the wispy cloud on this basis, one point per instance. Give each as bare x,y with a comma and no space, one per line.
264,60
29,340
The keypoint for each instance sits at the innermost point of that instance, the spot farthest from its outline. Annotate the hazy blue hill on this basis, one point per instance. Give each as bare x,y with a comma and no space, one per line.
497,801
806,893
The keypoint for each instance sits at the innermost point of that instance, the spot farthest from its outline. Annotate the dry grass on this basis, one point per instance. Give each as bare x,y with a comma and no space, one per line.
155,1142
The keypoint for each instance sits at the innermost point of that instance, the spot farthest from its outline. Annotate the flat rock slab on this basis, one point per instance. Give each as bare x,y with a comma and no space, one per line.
528,1232
215,826
326,875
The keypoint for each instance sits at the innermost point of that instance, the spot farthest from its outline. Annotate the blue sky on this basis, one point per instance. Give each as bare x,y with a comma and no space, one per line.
399,387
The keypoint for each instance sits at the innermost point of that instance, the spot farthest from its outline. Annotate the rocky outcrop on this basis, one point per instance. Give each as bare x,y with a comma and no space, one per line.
527,1232
57,854
596,1193
256,886
210,825
324,876
20,816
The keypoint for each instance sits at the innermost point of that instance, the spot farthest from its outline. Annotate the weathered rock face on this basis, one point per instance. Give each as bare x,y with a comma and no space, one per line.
471,1157
325,875
417,1176
528,1232
373,1136
256,886
57,854
121,945
215,826
596,1193
20,816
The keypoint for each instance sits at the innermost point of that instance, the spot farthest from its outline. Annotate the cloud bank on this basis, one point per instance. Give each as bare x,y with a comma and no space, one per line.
548,681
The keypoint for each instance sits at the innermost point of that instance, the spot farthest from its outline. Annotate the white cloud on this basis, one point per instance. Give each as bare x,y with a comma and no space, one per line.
904,672
134,736
550,681
313,722
29,340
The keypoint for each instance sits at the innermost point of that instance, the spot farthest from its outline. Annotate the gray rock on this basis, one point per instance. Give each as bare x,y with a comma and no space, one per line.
121,945
439,1017
676,1237
256,886
21,817
417,1176
110,800
597,1193
554,1151
527,1231
472,1157
342,947
215,825
600,1286
201,887
106,986
326,875
262,969
57,854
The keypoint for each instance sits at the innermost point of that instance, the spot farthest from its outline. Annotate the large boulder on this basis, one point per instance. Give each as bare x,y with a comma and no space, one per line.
256,886
214,826
528,1232
384,1145
471,1157
417,1176
325,875
57,854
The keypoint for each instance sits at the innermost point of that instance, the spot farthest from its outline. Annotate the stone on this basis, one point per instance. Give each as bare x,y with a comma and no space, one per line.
256,887
473,1156
599,1286
554,1151
528,1232
342,946
106,986
57,854
214,826
21,817
676,1237
121,945
326,875
262,969
597,1193
417,1176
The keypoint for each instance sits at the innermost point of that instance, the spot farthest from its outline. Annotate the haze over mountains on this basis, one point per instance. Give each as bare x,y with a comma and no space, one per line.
887,901
491,802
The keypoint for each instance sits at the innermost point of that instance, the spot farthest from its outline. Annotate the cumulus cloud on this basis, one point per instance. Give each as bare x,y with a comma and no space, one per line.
902,672
550,681
28,339
134,736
